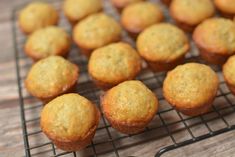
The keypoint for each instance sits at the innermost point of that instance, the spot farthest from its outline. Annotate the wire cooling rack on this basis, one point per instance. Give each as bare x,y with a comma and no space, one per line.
168,130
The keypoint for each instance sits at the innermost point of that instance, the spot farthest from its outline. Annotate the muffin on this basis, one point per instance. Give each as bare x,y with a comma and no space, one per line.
189,13
70,121
129,106
51,77
229,73
138,16
163,46
95,31
191,88
37,15
46,42
226,7
215,38
75,10
120,4
113,64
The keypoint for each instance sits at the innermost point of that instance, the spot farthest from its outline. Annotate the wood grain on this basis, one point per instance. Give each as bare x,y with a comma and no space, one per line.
11,141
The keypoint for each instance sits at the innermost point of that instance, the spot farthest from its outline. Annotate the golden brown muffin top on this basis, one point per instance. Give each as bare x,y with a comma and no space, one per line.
76,10
69,117
47,41
226,6
138,16
130,102
162,42
216,35
123,3
51,76
114,63
96,30
191,12
37,15
190,85
228,70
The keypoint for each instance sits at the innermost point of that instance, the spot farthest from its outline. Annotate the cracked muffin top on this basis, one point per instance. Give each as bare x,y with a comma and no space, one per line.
51,77
47,41
62,119
190,85
216,35
114,63
162,42
191,12
75,10
138,16
37,15
95,31
130,102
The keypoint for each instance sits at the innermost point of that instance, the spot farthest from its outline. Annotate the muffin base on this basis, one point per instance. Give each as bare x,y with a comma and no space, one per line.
167,2
127,129
74,146
86,52
227,15
103,85
70,90
72,22
65,55
196,111
165,66
213,58
133,35
184,26
27,33
119,10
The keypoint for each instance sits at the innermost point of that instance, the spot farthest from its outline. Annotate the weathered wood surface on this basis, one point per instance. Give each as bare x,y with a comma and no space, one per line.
11,141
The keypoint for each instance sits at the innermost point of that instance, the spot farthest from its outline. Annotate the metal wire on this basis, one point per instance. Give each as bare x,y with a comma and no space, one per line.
111,138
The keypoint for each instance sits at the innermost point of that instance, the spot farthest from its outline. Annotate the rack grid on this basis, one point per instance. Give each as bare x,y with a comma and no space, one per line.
170,126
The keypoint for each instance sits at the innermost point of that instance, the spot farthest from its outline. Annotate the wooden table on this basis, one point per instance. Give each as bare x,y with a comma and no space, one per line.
11,142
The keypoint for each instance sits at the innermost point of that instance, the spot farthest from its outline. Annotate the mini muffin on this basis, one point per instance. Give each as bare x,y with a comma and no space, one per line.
46,42
37,15
163,46
138,16
215,38
95,31
70,121
51,77
129,106
113,64
226,7
191,88
75,10
120,4
167,2
229,73
189,13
